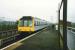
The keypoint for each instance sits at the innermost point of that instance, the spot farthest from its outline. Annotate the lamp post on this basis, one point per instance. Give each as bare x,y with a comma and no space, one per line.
65,25
64,2
59,8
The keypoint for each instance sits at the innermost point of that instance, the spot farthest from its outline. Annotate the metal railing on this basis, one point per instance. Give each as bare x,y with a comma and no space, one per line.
6,36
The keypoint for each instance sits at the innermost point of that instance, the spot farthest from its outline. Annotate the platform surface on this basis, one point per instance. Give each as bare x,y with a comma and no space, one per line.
45,40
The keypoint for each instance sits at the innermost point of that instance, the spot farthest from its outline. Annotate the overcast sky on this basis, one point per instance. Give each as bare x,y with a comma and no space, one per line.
44,9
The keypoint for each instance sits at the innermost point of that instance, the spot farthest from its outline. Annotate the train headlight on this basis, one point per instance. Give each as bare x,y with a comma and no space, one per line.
19,29
31,29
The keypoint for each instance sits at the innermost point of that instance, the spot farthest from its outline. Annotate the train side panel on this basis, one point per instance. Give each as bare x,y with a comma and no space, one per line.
39,24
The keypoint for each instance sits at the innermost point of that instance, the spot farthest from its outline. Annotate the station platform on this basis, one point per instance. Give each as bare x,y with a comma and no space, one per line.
47,39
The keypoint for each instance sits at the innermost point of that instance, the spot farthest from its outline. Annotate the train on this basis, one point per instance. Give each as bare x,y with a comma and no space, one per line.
31,24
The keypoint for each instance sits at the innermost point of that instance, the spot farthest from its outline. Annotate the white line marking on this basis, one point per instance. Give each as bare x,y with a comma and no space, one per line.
20,40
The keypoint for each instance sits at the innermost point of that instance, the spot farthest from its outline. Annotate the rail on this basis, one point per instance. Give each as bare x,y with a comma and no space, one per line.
68,28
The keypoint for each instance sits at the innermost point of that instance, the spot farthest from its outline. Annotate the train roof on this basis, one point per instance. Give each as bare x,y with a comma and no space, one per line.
26,18
30,18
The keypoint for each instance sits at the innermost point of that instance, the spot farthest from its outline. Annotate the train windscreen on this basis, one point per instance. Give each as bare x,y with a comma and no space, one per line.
25,23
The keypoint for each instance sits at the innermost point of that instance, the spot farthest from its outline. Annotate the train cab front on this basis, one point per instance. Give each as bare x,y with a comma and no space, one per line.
26,24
